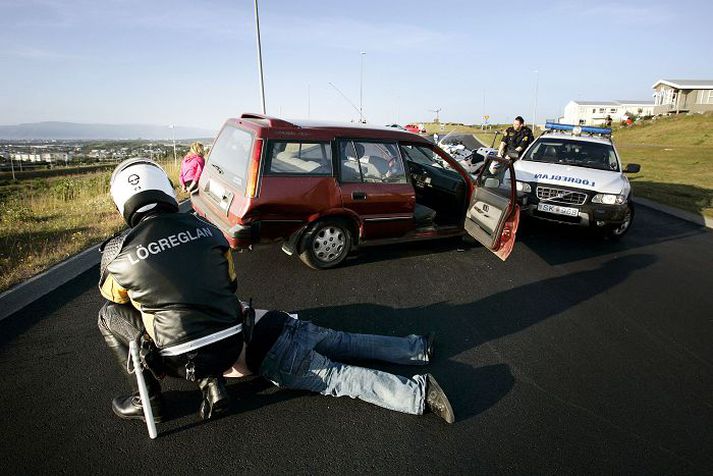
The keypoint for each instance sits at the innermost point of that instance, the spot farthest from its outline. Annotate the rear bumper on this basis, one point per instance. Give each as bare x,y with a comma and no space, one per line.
238,235
243,236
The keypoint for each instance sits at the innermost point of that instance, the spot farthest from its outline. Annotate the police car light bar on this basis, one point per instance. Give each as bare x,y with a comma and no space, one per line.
605,131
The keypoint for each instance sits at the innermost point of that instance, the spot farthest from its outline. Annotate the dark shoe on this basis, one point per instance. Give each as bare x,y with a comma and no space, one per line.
129,407
436,400
430,349
215,397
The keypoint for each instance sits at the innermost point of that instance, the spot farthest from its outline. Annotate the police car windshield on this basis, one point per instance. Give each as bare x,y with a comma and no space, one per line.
571,152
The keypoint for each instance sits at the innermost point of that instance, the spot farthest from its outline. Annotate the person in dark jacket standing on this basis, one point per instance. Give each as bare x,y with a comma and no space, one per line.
516,138
189,322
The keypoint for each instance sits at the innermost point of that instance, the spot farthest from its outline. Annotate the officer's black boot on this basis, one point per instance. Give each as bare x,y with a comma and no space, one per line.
129,407
215,397
118,324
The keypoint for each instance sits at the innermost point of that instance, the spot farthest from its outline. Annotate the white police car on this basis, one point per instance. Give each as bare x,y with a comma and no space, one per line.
573,174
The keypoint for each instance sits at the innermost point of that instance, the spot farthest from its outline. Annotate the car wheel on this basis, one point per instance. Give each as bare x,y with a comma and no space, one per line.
326,245
617,232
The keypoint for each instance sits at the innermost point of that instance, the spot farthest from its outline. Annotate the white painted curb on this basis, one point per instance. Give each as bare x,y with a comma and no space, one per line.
701,220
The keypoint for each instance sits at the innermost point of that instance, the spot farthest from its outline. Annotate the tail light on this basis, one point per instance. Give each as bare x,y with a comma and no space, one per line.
254,170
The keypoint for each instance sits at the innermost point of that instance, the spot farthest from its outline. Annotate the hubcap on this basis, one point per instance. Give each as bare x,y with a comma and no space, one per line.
328,243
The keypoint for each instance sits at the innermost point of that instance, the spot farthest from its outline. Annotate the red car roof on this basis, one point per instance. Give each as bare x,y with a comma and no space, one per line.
275,128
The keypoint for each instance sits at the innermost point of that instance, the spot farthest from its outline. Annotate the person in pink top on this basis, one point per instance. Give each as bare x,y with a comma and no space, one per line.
191,167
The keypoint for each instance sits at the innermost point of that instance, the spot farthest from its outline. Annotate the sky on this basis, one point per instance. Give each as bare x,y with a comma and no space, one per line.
194,63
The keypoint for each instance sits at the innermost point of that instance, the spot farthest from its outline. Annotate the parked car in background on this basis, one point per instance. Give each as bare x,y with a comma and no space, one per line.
415,128
326,189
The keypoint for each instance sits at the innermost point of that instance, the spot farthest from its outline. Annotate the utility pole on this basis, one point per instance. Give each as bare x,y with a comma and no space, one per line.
12,166
361,89
173,139
259,60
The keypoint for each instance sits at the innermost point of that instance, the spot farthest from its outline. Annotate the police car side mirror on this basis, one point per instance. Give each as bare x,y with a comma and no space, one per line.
513,154
632,169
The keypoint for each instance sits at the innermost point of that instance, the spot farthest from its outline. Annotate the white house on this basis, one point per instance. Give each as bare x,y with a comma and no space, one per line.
673,96
595,112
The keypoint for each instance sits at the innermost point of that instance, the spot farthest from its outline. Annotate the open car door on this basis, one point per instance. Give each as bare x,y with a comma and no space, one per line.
493,214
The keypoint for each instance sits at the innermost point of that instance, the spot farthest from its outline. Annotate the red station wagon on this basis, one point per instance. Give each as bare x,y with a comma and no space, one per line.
326,189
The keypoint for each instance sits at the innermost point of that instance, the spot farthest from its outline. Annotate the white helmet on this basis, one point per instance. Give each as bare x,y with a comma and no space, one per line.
141,185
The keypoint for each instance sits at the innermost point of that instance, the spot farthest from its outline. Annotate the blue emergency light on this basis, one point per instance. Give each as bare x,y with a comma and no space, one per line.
555,126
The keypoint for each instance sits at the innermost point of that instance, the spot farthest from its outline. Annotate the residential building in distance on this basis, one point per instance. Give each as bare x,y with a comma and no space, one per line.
48,157
593,113
674,96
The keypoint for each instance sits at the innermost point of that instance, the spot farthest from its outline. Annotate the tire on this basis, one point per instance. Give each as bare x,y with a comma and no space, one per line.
326,245
616,233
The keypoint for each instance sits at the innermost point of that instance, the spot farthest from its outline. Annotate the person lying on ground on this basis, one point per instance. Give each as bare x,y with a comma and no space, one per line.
296,354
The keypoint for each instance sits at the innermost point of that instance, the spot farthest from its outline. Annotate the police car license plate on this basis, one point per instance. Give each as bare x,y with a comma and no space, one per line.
557,210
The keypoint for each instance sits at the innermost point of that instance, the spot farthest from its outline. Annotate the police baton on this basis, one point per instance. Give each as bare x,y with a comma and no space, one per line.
143,391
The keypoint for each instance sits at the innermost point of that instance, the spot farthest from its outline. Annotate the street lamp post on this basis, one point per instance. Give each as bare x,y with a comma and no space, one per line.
534,112
361,88
259,60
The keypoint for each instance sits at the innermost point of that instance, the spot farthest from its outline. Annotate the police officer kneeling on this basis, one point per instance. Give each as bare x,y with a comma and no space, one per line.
171,286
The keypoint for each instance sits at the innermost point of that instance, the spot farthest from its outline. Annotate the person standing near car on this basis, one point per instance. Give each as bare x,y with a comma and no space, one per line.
299,355
192,167
516,138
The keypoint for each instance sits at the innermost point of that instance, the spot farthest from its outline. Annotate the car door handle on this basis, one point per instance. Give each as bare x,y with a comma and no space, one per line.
358,195
478,210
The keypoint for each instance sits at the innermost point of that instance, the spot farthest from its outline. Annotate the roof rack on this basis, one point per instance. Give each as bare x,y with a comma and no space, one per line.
577,130
271,121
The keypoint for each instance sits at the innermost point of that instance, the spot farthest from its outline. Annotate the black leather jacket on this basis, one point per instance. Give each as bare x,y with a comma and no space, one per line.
520,138
177,270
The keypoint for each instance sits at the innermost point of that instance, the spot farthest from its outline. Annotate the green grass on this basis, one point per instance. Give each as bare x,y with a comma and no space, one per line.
695,131
46,220
676,157
680,176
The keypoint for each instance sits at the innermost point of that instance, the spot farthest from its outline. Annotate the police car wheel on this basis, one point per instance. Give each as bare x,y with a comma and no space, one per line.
617,232
326,245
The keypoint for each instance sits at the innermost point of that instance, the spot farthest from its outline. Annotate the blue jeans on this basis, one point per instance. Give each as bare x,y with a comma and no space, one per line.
301,358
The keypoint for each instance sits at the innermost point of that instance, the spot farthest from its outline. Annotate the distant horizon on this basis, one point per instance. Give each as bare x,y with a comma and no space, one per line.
61,130
85,123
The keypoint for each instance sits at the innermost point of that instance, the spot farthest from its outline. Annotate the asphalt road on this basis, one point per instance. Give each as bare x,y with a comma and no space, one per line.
574,356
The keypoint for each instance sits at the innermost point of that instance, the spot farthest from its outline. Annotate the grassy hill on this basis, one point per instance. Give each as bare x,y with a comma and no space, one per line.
669,131
676,157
